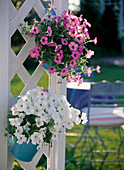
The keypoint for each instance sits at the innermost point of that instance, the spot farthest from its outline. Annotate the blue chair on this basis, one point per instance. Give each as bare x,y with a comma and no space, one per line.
103,112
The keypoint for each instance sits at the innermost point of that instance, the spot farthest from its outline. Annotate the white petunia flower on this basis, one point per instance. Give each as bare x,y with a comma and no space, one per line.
21,139
58,126
36,111
14,121
77,120
61,109
43,131
63,100
26,98
14,111
44,116
84,118
69,124
53,101
55,115
20,105
39,122
42,95
36,138
41,104
21,116
28,108
19,131
26,127
55,136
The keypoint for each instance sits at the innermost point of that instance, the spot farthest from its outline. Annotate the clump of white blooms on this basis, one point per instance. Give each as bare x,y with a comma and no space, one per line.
39,116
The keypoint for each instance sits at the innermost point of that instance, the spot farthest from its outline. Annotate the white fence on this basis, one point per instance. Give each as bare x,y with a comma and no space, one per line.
11,64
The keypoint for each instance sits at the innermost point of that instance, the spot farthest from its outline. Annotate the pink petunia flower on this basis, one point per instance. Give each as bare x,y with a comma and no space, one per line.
58,47
41,62
73,32
71,78
79,38
80,49
98,69
68,79
73,19
87,35
80,81
57,19
87,23
64,72
89,54
43,20
95,40
35,30
52,17
34,53
49,31
51,44
61,54
32,35
57,59
69,26
64,41
73,63
80,18
38,47
52,70
89,71
73,46
44,40
65,17
75,55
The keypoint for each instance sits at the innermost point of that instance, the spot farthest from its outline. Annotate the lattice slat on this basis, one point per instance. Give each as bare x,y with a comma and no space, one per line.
40,8
19,60
23,74
32,82
12,12
12,56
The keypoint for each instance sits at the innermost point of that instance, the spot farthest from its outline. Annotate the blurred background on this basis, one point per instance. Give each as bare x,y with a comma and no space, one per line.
107,24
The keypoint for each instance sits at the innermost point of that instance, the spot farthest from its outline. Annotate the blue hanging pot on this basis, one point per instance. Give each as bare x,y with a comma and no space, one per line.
24,152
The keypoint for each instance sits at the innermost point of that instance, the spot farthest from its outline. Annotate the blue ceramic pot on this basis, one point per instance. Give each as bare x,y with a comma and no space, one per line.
24,152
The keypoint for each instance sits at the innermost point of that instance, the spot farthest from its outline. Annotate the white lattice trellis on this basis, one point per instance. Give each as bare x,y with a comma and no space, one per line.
12,64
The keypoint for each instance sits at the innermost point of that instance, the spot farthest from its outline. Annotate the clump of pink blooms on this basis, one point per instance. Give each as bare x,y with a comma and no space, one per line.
61,43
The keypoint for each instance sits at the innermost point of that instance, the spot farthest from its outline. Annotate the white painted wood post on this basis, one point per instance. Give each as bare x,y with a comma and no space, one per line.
4,83
57,152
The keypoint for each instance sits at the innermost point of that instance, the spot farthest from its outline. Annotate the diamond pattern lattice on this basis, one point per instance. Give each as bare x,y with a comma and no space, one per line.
19,73
24,73
17,42
42,163
17,166
44,81
17,85
18,3
31,16
30,65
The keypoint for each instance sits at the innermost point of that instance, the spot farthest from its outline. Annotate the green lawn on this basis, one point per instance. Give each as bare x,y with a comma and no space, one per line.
76,158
